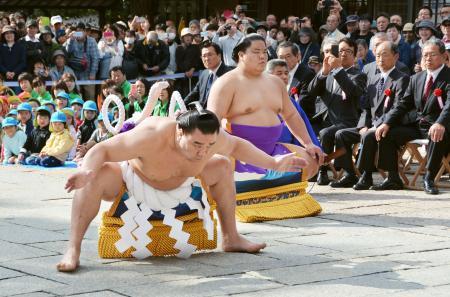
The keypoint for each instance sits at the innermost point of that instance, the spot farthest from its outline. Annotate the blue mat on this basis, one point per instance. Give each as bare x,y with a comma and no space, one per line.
67,164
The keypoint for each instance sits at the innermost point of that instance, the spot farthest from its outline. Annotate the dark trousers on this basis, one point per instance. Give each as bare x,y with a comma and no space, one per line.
346,138
435,152
387,148
327,137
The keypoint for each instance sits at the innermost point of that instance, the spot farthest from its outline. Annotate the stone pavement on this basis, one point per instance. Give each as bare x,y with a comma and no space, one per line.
363,244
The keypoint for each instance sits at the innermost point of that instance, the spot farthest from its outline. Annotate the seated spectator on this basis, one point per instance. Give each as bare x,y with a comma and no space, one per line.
33,46
212,60
12,55
25,81
153,53
60,67
49,104
363,55
83,58
40,88
39,136
104,91
35,104
382,21
49,45
130,62
77,105
58,146
25,117
394,34
118,76
279,68
110,50
85,130
70,121
161,108
137,97
62,100
13,140
100,134
58,87
71,83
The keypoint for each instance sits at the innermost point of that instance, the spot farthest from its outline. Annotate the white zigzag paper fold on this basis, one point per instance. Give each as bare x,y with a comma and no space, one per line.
177,233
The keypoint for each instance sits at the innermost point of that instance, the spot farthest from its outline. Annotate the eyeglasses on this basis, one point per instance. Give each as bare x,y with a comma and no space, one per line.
347,51
431,55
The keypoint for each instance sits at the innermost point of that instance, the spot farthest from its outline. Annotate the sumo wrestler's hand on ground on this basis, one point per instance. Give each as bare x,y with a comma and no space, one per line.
289,163
78,180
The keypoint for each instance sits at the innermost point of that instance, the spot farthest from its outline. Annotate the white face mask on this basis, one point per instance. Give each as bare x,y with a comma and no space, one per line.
171,36
129,40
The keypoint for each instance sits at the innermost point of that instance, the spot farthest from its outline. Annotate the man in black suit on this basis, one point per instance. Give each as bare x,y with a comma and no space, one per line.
384,89
371,68
429,94
340,86
299,76
212,60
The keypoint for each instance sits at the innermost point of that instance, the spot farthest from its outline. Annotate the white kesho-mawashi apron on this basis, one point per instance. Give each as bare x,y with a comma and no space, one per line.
144,200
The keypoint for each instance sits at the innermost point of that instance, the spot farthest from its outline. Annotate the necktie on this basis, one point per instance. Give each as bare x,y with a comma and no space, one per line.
380,87
209,84
427,89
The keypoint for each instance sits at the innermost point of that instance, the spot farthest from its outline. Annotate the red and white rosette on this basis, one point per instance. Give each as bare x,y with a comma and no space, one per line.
294,91
388,94
438,94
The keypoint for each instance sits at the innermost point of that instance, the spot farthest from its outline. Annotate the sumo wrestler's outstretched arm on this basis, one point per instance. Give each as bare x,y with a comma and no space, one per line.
126,146
245,151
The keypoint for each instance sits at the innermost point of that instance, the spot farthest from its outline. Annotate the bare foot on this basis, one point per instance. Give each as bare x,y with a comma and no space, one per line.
240,244
70,261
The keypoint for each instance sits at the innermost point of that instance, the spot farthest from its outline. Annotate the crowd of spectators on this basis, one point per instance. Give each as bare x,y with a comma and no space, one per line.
33,54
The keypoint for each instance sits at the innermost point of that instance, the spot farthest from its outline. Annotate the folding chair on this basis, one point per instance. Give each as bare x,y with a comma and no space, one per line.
445,167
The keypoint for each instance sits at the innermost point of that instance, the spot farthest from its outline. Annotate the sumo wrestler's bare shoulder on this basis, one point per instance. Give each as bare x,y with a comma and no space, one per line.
156,132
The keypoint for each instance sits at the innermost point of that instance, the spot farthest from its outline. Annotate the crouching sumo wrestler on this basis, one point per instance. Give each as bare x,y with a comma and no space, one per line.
163,154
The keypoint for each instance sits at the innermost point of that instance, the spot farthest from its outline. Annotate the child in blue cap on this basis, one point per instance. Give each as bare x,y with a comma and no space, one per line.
12,140
88,114
57,147
39,136
99,135
25,117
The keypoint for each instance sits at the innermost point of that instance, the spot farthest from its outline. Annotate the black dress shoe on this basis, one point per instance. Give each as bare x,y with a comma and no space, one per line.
363,184
388,184
322,179
347,181
430,187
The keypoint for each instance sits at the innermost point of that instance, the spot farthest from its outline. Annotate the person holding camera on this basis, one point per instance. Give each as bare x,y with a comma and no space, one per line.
83,58
229,41
328,7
